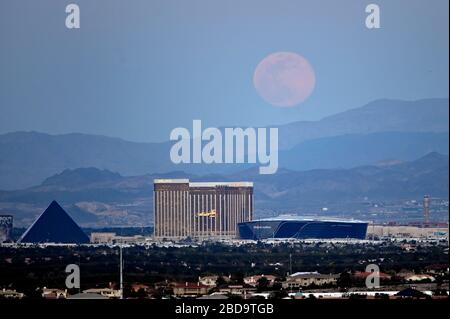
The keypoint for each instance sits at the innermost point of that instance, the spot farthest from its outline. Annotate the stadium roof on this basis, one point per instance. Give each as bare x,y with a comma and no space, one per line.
54,225
310,219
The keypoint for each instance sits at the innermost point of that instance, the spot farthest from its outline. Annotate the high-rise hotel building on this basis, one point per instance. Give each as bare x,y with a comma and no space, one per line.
200,210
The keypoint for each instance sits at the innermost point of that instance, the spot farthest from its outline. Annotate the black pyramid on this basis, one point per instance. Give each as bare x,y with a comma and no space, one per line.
54,225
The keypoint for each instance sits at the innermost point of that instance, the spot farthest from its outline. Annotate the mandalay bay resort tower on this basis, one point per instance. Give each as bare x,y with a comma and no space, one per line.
203,210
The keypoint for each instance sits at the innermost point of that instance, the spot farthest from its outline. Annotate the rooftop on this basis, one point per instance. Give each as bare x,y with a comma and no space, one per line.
310,219
312,275
190,285
202,184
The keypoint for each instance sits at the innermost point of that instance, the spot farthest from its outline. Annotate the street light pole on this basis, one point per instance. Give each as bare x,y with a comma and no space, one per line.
290,264
121,273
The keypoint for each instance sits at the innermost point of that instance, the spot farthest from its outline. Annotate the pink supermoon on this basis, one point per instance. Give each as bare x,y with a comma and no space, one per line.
284,79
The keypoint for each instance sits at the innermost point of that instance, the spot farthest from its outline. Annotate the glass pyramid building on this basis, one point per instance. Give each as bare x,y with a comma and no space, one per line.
54,225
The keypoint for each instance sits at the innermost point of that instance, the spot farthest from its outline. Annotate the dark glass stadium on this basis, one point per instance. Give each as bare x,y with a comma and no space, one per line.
302,228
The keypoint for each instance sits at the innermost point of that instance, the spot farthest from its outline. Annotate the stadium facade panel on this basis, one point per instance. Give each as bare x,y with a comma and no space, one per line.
301,229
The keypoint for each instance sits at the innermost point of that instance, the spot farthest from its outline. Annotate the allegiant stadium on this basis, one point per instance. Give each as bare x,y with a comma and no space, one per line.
302,228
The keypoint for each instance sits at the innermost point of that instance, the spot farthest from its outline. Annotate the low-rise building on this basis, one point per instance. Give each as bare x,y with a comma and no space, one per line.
11,294
113,238
164,284
398,231
87,296
189,289
212,280
51,293
404,273
420,277
253,280
105,292
237,290
102,238
437,269
213,296
137,287
208,280
305,279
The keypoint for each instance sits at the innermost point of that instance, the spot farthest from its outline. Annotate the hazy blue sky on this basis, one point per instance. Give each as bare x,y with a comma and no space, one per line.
137,69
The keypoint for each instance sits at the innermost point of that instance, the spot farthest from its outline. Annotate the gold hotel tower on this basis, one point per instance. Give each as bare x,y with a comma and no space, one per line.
200,210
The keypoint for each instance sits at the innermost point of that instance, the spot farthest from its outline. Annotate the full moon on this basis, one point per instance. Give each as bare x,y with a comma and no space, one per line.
284,79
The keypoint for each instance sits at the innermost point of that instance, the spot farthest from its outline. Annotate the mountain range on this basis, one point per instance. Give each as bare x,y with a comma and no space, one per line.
426,115
97,197
379,131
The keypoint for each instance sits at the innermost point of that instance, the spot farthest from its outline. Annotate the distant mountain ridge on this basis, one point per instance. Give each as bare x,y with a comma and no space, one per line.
103,198
386,115
384,129
351,150
81,177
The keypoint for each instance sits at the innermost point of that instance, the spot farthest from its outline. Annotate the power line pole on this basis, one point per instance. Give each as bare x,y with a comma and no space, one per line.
79,265
290,264
121,273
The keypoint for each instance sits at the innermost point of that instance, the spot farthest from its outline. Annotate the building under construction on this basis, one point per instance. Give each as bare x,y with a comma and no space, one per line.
202,210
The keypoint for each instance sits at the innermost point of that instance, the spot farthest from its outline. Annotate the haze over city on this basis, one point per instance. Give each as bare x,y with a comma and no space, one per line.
225,157
136,72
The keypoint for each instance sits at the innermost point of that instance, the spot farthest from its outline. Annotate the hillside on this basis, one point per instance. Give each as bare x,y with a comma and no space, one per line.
427,115
105,198
357,137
